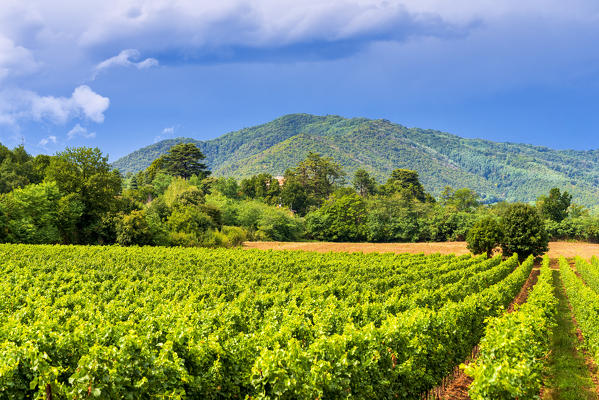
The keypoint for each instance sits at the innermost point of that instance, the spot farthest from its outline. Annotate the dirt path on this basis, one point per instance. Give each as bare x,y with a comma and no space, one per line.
556,249
568,375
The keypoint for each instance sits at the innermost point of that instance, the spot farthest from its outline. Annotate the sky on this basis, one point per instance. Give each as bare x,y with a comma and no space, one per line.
123,74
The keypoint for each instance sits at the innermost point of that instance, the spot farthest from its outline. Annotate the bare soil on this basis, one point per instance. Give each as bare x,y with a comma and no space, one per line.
556,249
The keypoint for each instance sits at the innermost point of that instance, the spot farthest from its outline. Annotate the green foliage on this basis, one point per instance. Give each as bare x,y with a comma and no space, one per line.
316,178
523,231
191,220
183,160
234,235
32,214
441,224
261,221
161,182
364,184
133,229
405,182
261,186
497,171
85,172
295,196
463,199
341,219
176,188
585,303
114,322
227,187
555,206
19,169
392,219
511,362
589,272
484,236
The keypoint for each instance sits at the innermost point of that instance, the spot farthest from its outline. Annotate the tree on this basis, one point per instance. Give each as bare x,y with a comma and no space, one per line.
184,160
261,186
364,184
406,183
133,229
523,232
228,187
86,172
461,200
555,206
31,214
392,219
484,236
318,176
342,218
133,184
294,196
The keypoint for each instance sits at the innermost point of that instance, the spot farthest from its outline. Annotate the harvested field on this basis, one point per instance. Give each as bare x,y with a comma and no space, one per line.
556,249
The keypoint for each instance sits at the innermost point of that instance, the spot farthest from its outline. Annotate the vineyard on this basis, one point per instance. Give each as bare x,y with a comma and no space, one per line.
110,322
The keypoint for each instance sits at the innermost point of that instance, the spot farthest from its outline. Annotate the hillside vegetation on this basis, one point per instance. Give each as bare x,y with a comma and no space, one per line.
498,171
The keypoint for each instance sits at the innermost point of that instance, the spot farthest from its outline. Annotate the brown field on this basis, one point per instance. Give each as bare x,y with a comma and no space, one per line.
556,249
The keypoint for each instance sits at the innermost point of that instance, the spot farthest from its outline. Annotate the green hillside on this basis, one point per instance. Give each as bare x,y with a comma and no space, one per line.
514,172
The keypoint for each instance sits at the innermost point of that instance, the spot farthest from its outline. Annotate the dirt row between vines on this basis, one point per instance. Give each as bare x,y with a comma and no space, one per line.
457,387
556,249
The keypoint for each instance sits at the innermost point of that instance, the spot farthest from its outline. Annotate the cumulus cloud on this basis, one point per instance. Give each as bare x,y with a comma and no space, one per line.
227,30
79,130
234,30
126,58
49,139
14,60
177,31
84,103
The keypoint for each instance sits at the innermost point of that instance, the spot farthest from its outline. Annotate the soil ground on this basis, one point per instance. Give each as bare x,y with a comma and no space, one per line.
556,249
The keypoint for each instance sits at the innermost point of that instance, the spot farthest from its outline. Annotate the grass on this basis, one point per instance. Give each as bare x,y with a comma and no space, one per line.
567,377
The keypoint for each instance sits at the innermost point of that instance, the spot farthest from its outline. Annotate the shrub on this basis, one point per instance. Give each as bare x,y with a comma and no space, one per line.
523,231
484,236
133,229
235,236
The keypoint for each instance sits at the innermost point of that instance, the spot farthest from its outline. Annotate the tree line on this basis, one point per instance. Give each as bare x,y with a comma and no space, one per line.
74,197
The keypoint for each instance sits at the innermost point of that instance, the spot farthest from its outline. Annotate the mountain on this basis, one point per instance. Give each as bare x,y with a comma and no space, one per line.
498,171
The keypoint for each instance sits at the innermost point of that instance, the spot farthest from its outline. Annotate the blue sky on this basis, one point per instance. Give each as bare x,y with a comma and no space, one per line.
123,74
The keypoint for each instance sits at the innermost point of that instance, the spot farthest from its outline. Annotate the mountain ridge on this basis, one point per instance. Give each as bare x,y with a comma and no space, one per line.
496,170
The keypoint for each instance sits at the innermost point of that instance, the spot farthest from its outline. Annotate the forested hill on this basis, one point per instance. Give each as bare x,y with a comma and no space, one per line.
514,172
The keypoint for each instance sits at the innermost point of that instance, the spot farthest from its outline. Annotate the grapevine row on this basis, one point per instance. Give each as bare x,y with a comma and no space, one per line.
513,351
589,273
585,306
195,323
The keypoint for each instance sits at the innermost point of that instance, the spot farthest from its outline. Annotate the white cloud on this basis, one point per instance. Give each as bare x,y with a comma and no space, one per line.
68,35
91,104
70,29
84,103
167,133
14,60
78,130
188,27
126,58
45,141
